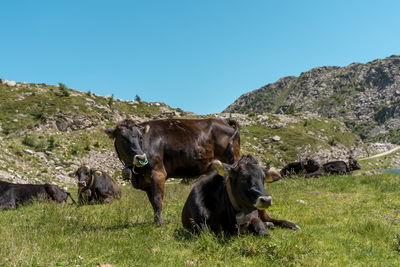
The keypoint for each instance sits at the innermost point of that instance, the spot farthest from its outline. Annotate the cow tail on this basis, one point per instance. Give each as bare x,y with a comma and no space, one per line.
69,195
231,150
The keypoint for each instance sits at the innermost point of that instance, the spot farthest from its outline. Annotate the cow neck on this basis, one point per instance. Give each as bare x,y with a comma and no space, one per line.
230,194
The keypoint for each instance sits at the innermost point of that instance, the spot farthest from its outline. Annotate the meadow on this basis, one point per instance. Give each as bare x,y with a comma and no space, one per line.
344,220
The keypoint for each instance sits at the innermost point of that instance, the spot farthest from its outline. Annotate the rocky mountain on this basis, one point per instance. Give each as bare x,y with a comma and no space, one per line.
47,131
364,96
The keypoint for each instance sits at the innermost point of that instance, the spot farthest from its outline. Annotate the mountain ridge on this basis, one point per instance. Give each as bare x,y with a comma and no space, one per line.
365,96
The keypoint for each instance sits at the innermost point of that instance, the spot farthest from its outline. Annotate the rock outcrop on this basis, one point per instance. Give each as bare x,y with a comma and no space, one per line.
365,96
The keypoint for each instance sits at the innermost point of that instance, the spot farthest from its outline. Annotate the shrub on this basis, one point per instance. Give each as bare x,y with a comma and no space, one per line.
291,109
63,89
332,141
35,141
51,143
111,100
138,99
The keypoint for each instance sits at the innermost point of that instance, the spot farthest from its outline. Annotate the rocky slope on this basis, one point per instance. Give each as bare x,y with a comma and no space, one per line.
365,96
46,132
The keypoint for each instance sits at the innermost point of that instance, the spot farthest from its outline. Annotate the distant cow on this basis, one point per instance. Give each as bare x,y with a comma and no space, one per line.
336,167
227,200
95,186
306,166
14,195
155,150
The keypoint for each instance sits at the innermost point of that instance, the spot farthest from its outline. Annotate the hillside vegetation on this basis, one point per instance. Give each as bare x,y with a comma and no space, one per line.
48,131
364,96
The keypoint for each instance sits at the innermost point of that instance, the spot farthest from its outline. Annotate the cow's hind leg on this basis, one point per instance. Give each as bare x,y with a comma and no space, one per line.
281,223
156,195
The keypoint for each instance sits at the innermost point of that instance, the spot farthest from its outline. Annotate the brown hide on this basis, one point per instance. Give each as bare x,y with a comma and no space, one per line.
174,148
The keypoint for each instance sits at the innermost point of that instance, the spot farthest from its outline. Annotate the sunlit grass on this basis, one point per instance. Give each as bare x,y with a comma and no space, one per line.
344,221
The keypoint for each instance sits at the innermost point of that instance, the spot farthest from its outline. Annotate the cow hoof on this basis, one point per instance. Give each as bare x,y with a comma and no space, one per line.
159,221
263,234
296,227
269,225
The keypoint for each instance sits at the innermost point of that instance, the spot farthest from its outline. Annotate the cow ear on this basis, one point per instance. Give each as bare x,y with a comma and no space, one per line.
222,171
110,132
145,130
272,175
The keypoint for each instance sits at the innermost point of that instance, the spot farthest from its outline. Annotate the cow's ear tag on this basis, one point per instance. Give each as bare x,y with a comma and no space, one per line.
219,167
97,173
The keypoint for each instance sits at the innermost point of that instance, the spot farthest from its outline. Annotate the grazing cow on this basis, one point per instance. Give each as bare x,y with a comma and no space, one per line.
306,166
155,150
227,200
95,186
14,195
336,167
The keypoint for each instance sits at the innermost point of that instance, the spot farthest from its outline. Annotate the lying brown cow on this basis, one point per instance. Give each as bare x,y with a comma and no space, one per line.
14,195
155,150
95,186
228,200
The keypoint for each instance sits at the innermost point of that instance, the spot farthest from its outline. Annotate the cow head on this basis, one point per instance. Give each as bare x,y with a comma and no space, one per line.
85,176
128,143
311,165
353,164
56,194
246,180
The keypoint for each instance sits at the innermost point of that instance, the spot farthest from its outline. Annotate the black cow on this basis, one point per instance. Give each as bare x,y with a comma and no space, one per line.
306,166
336,167
155,150
14,195
95,186
227,200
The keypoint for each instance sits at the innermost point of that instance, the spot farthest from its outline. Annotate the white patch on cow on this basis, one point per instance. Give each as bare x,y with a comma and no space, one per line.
263,203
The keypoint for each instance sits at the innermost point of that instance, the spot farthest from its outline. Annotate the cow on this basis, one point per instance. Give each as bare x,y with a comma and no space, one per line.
336,167
228,200
308,165
96,186
13,195
155,150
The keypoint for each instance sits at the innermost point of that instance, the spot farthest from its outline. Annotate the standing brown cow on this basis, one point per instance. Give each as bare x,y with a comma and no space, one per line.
155,150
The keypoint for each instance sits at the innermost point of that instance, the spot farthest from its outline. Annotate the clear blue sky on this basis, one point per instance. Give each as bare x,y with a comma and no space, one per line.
195,55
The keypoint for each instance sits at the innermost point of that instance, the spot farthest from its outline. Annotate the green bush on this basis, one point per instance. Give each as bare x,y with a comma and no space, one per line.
63,89
35,141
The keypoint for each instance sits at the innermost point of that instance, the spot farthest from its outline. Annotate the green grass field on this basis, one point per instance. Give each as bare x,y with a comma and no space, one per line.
345,221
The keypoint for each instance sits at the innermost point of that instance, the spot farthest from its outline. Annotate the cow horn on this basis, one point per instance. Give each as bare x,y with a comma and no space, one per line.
217,165
97,173
146,129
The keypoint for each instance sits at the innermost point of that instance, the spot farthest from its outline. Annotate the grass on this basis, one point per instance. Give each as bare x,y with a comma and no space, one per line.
346,221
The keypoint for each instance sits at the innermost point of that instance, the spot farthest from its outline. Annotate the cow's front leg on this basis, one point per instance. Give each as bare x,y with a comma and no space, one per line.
156,195
281,223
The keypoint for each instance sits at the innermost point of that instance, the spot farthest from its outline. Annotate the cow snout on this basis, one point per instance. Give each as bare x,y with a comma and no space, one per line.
140,160
263,202
81,183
